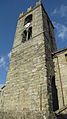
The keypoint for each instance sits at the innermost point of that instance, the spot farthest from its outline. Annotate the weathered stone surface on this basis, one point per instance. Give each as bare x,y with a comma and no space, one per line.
29,90
23,115
28,84
60,63
20,115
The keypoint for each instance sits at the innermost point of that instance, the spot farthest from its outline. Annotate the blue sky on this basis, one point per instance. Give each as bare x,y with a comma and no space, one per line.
9,12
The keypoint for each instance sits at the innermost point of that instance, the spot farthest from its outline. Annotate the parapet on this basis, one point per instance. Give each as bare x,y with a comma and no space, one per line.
21,15
30,9
38,3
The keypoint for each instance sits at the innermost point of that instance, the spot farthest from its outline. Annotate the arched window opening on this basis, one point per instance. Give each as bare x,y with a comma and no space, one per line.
24,36
54,95
28,19
29,33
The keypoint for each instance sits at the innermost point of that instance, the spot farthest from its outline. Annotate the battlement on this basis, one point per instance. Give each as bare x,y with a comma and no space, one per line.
30,9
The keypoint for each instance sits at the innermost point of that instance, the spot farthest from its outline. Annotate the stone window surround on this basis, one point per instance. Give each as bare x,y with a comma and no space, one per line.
27,34
28,19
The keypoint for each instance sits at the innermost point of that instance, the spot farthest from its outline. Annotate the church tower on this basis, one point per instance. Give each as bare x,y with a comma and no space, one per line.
28,85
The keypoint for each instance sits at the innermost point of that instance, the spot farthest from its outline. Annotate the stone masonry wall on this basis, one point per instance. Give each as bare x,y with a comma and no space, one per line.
26,80
28,85
50,45
60,63
21,115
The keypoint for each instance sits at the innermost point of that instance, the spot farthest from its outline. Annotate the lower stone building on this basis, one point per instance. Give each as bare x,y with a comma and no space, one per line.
36,81
60,67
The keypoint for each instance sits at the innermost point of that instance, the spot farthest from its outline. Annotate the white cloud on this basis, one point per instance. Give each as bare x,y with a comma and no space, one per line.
9,55
2,62
62,11
61,30
54,12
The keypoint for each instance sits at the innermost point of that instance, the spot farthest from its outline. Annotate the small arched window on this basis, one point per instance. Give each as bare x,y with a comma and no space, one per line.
29,33
28,19
24,35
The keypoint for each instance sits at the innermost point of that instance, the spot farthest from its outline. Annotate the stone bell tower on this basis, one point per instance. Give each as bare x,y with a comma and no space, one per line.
28,85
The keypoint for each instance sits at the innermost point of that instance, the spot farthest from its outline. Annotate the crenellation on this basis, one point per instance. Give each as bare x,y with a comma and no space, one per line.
29,9
21,15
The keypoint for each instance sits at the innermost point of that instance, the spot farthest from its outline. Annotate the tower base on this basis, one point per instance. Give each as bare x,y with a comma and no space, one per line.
25,115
